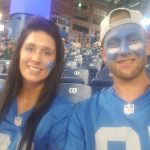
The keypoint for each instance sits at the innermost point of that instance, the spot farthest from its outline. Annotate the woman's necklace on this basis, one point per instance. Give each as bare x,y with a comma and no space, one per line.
18,118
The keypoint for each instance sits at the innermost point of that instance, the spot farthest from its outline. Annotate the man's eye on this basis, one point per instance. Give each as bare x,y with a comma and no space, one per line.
113,43
133,40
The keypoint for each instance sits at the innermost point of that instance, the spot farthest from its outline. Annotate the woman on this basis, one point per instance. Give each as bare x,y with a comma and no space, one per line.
31,115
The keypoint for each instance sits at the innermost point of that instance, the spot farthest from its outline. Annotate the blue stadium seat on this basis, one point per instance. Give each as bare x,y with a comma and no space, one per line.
72,80
103,80
3,75
93,68
104,74
70,64
77,58
77,74
75,92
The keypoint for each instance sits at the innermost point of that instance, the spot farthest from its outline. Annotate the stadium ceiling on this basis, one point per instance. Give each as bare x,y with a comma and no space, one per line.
141,5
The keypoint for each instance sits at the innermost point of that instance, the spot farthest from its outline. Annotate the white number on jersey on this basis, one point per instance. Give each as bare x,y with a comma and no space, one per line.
117,134
4,141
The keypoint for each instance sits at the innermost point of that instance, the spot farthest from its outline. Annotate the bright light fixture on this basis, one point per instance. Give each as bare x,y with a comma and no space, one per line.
79,4
146,23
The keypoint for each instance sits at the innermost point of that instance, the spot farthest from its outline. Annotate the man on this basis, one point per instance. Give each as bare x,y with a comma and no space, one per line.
93,37
118,118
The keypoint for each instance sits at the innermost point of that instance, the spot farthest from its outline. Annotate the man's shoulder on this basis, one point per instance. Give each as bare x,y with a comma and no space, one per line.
96,100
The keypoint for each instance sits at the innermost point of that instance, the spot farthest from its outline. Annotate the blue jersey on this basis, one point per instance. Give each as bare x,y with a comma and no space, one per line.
107,122
50,133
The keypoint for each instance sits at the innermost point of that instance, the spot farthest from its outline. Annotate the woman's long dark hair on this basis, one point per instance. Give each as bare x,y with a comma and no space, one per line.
14,80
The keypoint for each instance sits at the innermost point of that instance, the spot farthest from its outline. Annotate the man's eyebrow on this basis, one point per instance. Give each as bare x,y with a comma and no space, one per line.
134,34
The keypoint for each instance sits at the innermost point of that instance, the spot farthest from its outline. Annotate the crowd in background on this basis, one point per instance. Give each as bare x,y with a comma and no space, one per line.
81,40
6,49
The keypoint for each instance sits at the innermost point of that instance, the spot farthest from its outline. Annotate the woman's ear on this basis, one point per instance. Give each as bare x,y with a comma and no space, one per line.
103,54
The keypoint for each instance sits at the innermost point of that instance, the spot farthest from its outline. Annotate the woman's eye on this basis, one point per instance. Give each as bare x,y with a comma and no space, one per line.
29,49
47,52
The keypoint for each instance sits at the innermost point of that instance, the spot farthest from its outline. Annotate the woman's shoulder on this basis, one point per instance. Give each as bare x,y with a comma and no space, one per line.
60,110
53,125
60,101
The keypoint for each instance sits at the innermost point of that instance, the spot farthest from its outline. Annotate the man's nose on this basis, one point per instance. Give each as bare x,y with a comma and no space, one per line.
124,48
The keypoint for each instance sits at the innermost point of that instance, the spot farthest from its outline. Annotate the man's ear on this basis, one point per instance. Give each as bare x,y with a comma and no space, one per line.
148,45
103,54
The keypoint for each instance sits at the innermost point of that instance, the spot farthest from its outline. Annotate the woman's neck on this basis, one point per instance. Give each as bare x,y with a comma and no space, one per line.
28,97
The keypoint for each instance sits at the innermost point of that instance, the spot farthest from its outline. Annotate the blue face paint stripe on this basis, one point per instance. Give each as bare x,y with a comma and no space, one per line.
124,48
49,66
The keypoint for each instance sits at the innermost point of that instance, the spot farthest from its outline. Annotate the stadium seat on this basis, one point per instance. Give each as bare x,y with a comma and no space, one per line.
103,79
104,74
93,68
70,64
75,92
72,80
3,75
77,74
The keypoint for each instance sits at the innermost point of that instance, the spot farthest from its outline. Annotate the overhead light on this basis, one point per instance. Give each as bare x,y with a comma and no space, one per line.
116,1
79,4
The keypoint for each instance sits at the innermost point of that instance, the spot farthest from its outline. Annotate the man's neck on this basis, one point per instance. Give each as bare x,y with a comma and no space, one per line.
130,90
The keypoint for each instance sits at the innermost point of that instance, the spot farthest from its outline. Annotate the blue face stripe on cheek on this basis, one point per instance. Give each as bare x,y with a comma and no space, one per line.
111,57
112,53
137,49
49,66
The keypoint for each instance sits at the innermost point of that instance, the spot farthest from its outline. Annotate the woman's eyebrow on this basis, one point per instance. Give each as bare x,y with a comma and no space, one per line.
48,48
29,44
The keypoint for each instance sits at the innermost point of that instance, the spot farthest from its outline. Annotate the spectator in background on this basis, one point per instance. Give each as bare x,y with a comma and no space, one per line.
83,38
77,42
93,38
118,117
8,51
64,33
31,114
